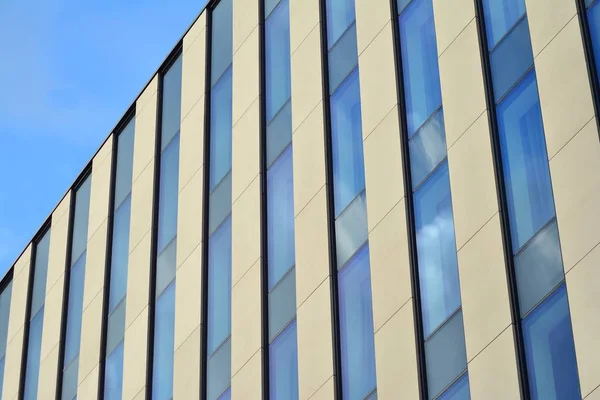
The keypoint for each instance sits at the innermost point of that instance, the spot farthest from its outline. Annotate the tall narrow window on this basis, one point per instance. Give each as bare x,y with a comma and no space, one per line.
352,269
437,266
278,163
5,297
76,277
218,251
36,317
542,297
119,264
166,247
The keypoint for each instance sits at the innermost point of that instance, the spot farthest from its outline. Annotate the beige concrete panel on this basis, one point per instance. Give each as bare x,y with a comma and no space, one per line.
377,80
245,22
191,148
189,217
595,395
483,287
57,256
91,328
461,78
141,394
247,383
493,373
134,357
246,86
193,69
88,388
61,209
309,159
315,360
304,16
307,90
312,249
142,193
390,265
188,296
48,374
18,303
245,150
583,282
95,265
186,376
371,17
195,30
24,260
52,319
245,231
451,17
138,280
472,180
384,179
12,366
564,87
145,97
325,392
145,135
100,188
246,324
576,185
546,18
396,357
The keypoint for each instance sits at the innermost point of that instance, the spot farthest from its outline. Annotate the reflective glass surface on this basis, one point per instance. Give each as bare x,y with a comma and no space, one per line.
220,128
219,286
80,222
42,250
427,148
340,15
343,57
171,103
593,15
113,379
283,368
458,391
351,230
500,16
168,194
34,348
282,304
277,36
219,371
124,163
120,253
164,342
74,312
222,39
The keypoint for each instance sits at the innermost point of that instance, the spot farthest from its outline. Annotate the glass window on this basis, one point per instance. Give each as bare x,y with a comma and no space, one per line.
34,349
113,380
549,350
164,342
282,304
340,15
280,215
222,39
219,204
74,313
124,174
5,299
343,57
116,327
419,63
70,375
42,250
525,162
347,143
283,360
351,229
427,148
458,391
219,286
120,253
356,327
436,250
226,395
165,267
220,128
279,133
593,15
269,6
2,362
278,71
171,103
500,16
219,372
169,192
80,223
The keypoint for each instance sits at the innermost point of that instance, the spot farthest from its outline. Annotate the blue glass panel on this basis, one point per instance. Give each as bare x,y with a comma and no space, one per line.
593,15
120,254
113,378
169,192
42,250
500,16
549,350
356,327
436,250
69,383
279,133
116,327
165,267
34,349
539,268
80,222
280,217
171,103
340,15
219,286
270,6
402,5
73,337
511,59
2,362
427,148
222,39
282,304
351,229
219,371
226,395
5,299
124,173
220,129
283,365
343,57
347,143
219,204
525,162
446,355
277,36
589,2
419,63
458,391
164,345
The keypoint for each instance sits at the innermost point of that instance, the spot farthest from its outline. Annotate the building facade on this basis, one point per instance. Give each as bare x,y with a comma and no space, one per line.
332,199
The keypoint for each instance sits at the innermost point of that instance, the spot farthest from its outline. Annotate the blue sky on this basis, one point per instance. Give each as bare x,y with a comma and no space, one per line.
70,69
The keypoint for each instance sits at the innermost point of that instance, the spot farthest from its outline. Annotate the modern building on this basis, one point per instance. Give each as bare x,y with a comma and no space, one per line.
332,199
